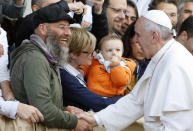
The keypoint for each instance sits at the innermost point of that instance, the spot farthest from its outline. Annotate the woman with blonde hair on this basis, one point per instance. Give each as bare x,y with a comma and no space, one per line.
75,91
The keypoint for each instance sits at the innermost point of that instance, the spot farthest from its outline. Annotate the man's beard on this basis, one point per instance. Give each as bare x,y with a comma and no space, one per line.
59,52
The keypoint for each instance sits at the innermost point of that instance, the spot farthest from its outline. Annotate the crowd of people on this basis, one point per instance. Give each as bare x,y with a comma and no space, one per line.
78,64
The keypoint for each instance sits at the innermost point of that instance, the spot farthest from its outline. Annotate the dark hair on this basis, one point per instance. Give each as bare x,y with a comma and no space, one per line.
106,3
155,3
132,4
129,34
187,26
37,2
83,1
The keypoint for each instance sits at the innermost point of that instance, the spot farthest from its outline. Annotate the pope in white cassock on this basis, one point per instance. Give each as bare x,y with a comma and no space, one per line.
164,94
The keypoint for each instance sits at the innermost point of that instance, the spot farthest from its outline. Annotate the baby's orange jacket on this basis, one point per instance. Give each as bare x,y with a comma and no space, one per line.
110,84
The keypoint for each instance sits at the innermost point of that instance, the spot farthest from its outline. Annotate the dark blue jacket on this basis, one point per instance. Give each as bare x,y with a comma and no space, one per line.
75,94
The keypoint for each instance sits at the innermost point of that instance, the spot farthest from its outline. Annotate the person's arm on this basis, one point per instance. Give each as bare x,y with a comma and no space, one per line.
4,71
76,93
8,108
116,116
121,74
100,25
77,7
13,109
87,18
38,91
6,90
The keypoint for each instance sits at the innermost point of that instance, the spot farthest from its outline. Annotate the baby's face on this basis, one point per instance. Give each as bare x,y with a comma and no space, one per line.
112,50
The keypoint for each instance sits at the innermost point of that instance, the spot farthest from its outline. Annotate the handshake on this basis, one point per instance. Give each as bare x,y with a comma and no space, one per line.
86,121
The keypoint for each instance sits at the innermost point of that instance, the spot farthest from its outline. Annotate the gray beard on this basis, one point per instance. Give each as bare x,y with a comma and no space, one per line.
59,52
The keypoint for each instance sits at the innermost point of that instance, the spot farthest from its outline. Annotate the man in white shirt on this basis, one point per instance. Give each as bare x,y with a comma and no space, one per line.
163,95
12,108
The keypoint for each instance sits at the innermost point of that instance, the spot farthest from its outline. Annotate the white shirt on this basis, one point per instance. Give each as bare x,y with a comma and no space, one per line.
7,108
163,95
4,72
70,69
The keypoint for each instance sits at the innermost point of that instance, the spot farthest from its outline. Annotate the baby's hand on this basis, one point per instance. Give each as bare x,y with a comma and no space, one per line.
115,59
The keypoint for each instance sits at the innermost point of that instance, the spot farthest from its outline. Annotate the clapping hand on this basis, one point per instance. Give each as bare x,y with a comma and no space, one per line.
98,4
77,7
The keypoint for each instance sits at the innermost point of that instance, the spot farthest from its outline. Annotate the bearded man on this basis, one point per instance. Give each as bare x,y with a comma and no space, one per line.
34,68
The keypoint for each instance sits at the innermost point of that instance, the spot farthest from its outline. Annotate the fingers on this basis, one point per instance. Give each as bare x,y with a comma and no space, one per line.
73,110
41,117
85,24
29,113
87,117
100,2
33,119
84,10
77,7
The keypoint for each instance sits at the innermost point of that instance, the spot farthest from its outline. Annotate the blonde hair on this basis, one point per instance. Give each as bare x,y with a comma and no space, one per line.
107,38
80,40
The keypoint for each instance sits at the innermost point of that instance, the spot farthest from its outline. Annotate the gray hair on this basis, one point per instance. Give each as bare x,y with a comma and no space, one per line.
59,52
164,32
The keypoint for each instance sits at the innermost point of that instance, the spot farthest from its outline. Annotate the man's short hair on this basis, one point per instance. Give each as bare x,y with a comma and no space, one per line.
187,26
164,32
153,5
132,4
181,4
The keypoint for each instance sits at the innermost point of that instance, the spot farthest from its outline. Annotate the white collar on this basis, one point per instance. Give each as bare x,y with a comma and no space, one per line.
71,70
162,51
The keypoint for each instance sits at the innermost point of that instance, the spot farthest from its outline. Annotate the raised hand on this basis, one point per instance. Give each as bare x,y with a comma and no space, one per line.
115,59
77,7
85,24
29,113
98,4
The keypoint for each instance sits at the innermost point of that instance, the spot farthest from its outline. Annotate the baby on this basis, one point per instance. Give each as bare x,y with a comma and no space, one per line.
109,74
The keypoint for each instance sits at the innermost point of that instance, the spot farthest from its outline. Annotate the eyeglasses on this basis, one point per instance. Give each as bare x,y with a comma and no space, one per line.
88,53
117,10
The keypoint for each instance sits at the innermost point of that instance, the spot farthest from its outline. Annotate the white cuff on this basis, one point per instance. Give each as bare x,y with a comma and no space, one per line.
9,108
99,122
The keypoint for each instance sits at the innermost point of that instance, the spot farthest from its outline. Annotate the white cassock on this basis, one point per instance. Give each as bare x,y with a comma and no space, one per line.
163,95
